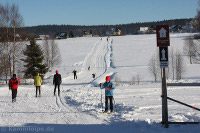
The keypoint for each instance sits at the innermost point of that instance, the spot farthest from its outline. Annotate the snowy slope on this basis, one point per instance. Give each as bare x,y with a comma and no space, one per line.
77,109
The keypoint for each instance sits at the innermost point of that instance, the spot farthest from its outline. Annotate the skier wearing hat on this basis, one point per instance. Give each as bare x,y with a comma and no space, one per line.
13,85
109,87
38,83
57,80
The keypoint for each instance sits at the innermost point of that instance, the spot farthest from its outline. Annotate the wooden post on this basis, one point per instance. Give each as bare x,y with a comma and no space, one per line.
164,100
163,114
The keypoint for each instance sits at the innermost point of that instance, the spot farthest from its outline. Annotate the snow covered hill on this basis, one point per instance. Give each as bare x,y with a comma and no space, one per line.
77,110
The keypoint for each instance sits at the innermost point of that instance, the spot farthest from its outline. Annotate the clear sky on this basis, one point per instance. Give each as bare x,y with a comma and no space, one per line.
100,12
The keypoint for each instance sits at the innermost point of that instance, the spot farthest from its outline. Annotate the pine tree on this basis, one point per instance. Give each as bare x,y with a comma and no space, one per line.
34,60
71,34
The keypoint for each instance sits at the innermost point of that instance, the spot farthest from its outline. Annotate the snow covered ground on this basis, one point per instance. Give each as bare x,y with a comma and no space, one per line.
77,109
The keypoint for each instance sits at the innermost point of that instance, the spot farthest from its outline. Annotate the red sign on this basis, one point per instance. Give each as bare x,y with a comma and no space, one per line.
162,33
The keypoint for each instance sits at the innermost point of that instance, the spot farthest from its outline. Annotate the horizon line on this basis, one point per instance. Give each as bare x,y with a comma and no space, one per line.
107,24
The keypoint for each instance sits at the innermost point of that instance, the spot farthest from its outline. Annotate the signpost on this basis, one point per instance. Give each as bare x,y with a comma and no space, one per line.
162,34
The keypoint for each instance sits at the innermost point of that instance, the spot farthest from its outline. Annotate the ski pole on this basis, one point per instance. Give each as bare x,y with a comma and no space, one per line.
101,101
115,104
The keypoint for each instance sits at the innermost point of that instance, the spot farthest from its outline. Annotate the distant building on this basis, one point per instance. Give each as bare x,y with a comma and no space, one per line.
177,29
152,29
113,32
190,27
86,34
117,32
144,29
95,35
147,30
62,35
43,37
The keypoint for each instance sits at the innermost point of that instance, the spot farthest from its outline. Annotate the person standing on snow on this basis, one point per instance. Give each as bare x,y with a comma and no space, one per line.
93,75
75,76
38,83
57,80
109,87
13,85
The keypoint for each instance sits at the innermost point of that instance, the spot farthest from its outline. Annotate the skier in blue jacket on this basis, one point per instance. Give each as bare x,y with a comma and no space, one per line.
109,87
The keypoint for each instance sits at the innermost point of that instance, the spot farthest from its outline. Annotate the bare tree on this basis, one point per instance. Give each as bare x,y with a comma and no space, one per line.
47,51
132,81
52,56
139,78
172,62
154,66
16,21
180,69
55,54
196,20
4,20
117,80
190,48
10,19
196,58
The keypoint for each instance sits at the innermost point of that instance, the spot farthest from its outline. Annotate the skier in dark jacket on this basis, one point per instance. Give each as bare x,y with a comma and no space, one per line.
13,85
57,80
75,76
93,75
109,87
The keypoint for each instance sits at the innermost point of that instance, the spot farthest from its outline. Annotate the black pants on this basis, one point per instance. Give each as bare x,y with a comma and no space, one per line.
38,89
75,76
58,89
14,93
111,103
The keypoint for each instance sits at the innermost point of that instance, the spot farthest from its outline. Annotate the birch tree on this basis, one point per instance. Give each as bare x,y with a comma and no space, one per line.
190,49
180,69
154,66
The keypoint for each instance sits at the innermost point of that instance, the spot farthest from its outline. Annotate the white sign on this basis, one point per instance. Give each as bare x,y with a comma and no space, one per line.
163,55
163,33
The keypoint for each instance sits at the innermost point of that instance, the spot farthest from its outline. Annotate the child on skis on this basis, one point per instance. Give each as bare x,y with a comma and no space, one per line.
109,87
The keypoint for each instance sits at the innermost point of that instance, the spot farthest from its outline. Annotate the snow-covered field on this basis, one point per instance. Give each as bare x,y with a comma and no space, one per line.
138,107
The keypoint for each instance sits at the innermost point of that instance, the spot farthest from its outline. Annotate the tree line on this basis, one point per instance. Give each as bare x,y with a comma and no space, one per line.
100,30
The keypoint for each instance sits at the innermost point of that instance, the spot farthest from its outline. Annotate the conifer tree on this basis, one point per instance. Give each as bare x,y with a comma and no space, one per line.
71,34
34,60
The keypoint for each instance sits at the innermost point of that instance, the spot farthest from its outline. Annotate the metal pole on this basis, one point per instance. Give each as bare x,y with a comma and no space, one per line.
183,103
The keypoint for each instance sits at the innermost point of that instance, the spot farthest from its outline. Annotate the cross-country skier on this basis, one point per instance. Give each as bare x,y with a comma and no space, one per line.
109,87
38,83
13,85
93,75
57,80
75,76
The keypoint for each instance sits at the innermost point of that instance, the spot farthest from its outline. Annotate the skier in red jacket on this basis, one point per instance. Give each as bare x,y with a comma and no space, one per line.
13,85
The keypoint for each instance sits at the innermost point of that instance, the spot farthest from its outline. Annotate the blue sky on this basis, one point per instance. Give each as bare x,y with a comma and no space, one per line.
100,12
